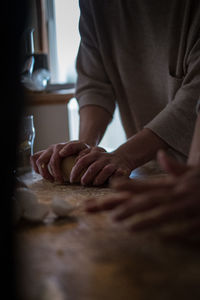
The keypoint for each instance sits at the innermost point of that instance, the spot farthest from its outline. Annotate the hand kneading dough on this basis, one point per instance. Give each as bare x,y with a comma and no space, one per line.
66,166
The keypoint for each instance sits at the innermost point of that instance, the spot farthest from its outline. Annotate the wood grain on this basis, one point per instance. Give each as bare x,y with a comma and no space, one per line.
88,257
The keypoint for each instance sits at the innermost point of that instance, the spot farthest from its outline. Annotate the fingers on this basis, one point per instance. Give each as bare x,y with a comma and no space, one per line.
138,186
88,150
104,174
119,176
93,163
42,164
33,160
83,153
71,148
109,203
83,164
170,165
54,164
92,172
47,163
142,203
182,209
98,166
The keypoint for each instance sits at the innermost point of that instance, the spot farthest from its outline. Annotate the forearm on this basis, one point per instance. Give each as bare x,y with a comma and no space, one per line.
141,148
93,123
194,155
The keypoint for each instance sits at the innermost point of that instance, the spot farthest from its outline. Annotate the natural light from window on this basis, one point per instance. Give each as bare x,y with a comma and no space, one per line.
67,35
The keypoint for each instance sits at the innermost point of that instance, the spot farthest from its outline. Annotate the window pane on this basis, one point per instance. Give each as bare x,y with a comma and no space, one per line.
67,36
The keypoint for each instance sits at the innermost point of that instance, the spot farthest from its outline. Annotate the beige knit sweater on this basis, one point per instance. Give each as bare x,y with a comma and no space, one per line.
144,55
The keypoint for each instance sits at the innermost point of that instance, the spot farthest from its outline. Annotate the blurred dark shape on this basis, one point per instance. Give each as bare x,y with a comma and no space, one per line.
13,17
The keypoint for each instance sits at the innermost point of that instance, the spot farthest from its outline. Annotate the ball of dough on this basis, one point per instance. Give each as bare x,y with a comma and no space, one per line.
66,166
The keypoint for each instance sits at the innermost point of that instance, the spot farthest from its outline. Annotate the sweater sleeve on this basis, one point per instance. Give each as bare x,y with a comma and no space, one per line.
175,123
93,86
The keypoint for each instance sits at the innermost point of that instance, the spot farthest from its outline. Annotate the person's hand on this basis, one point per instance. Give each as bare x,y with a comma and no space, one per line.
158,208
47,162
155,203
99,166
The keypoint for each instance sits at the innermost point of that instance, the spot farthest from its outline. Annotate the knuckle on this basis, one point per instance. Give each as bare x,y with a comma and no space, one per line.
98,149
57,147
51,147
95,155
69,146
95,148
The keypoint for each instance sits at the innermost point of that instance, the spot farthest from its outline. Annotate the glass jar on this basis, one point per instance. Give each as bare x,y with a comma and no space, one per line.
26,143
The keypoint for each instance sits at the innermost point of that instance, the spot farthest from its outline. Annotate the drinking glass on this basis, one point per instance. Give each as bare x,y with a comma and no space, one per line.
26,143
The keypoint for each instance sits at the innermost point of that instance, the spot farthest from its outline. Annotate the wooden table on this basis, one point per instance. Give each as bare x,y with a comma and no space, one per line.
87,257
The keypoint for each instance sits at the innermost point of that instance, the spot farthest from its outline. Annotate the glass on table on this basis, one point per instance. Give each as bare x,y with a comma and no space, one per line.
26,143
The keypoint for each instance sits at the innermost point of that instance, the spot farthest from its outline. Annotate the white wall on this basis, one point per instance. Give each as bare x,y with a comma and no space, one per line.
51,125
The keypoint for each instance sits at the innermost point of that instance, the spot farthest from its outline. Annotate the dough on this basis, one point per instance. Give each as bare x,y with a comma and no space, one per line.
61,207
66,166
31,209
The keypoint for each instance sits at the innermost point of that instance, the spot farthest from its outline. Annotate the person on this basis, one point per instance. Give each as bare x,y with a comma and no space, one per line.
144,56
174,199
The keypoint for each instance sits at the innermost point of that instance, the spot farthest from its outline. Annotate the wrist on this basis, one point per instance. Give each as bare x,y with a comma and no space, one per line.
89,140
141,148
93,123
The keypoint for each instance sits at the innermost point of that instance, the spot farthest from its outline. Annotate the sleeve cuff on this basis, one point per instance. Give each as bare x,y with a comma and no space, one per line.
175,124
96,99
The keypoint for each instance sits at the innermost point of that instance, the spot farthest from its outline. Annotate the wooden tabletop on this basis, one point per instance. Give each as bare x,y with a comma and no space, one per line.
88,257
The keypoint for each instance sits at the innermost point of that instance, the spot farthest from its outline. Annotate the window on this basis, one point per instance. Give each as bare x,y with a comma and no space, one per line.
67,38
